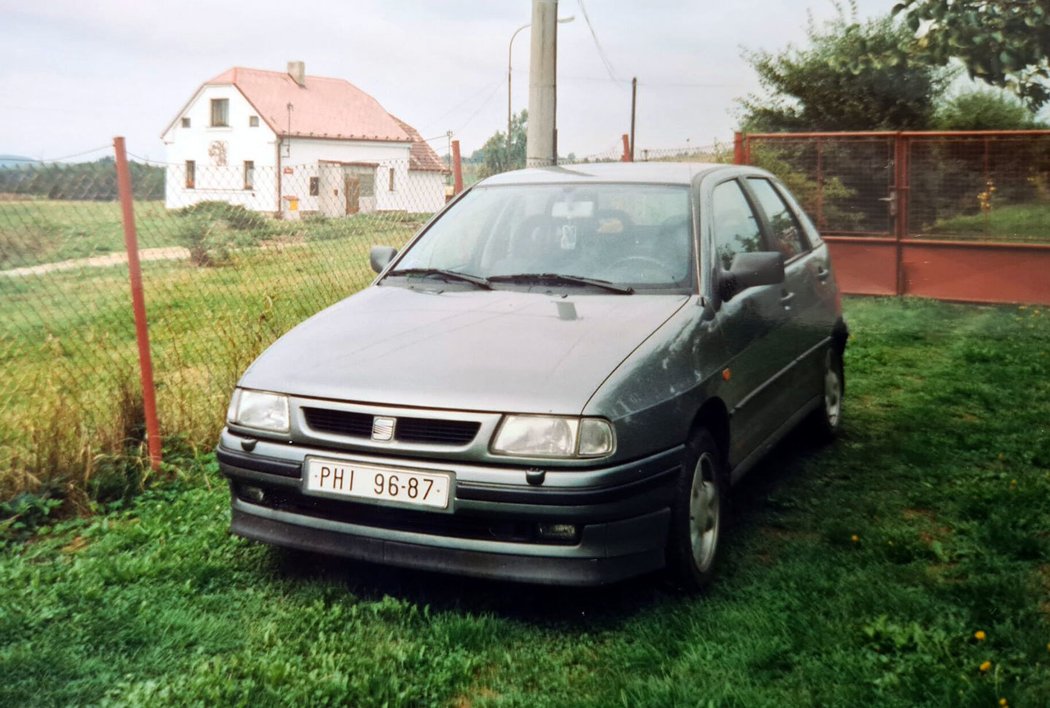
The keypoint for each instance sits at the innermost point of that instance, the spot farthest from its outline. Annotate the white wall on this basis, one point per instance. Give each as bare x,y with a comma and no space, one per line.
425,192
200,142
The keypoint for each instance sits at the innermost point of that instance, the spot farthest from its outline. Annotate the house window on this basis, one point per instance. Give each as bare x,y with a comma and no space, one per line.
191,174
249,174
220,112
368,182
253,121
315,186
185,122
391,187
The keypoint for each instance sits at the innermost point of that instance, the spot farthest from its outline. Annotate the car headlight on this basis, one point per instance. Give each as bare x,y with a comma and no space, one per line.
553,436
259,410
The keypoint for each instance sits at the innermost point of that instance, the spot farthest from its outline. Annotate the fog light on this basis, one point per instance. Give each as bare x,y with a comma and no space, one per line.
254,494
557,532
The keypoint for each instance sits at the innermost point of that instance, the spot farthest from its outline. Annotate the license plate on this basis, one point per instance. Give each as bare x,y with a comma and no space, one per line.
348,479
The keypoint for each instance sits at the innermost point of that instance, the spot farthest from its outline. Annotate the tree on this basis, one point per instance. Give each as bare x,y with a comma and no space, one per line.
494,153
836,84
985,110
1003,42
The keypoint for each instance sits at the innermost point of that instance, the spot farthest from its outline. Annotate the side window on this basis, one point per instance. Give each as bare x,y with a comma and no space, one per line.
735,227
812,235
787,234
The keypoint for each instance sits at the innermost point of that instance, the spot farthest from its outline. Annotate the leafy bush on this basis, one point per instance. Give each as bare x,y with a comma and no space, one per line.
985,110
211,229
235,215
23,515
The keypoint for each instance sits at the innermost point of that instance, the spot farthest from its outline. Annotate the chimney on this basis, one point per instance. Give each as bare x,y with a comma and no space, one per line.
297,70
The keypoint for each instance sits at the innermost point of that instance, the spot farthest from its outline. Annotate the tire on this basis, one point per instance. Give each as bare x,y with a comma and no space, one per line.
697,514
826,420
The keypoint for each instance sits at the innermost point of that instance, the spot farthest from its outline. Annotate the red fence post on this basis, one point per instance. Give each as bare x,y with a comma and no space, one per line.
821,221
457,169
900,194
738,148
138,302
626,149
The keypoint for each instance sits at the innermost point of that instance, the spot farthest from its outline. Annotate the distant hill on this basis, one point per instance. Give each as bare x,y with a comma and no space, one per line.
15,160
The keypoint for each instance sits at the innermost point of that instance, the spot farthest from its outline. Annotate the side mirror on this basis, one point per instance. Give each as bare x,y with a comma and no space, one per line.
749,270
380,257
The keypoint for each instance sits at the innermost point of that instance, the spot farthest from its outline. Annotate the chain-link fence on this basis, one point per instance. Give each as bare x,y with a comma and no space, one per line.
232,257
960,216
988,186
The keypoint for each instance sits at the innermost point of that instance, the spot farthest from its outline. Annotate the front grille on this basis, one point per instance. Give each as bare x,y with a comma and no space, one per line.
435,432
429,431
354,425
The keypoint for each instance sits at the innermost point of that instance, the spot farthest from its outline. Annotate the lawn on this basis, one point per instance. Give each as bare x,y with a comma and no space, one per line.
906,564
1011,223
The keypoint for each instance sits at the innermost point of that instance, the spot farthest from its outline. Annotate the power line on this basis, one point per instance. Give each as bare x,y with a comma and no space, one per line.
465,101
70,157
601,52
485,103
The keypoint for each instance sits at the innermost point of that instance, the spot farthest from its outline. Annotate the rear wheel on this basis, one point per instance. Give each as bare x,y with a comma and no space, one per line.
697,513
827,418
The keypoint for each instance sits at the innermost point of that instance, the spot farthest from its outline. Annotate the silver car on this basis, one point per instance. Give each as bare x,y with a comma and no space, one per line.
556,381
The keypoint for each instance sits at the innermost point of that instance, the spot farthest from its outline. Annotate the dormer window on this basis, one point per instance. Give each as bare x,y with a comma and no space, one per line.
253,121
220,112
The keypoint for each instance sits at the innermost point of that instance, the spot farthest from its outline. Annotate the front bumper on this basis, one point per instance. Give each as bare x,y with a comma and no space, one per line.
621,514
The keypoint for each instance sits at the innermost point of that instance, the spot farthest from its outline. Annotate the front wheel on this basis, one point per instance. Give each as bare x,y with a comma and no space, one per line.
697,513
827,418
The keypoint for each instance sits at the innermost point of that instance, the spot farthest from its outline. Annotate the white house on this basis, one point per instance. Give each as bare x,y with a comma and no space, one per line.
289,143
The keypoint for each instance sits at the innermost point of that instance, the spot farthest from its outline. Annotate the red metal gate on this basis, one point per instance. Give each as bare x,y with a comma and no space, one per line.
954,216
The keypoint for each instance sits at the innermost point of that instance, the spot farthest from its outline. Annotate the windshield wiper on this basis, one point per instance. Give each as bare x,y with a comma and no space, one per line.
447,274
559,279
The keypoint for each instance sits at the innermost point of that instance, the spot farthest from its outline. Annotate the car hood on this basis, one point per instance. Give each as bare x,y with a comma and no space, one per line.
499,350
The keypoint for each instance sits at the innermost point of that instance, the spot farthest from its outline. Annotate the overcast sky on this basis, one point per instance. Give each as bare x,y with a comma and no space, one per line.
73,74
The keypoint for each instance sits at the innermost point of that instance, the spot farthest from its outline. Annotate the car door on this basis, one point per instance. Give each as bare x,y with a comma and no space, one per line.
749,326
800,294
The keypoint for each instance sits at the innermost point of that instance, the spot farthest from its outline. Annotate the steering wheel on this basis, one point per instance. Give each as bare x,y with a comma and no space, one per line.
636,264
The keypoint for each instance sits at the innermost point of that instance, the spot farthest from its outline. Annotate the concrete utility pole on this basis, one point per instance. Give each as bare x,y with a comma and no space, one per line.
541,142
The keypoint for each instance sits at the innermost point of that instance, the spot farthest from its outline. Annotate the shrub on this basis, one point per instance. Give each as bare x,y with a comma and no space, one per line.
210,230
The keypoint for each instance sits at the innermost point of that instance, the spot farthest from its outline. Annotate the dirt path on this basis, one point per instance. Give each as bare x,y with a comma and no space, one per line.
170,253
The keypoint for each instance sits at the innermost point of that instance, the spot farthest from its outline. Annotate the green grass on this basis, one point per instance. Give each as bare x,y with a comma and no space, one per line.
1020,223
942,474
67,340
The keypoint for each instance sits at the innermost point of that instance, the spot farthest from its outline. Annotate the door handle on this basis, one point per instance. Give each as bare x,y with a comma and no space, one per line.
823,273
786,298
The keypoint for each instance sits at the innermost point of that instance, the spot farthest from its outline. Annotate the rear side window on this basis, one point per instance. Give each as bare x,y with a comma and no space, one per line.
736,229
787,234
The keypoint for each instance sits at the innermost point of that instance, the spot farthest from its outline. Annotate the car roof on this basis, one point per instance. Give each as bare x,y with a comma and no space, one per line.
612,172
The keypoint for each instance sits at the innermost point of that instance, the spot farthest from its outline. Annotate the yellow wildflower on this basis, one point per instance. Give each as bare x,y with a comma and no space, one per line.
979,635
855,538
1003,702
985,666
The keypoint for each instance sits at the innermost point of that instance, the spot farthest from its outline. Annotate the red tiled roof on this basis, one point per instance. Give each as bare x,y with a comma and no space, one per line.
323,108
422,158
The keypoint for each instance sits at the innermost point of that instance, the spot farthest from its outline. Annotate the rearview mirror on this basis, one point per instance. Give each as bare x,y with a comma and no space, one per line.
380,257
749,270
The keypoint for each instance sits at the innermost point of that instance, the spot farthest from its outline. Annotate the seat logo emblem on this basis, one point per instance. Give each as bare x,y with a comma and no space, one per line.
383,428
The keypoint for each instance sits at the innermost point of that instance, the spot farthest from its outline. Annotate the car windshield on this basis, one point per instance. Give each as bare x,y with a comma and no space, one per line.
631,235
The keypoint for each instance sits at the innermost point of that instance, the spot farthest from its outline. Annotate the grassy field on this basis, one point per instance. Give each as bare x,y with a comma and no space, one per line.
1012,223
907,564
69,408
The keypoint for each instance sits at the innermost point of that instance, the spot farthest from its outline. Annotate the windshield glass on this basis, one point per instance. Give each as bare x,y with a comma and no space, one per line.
629,234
